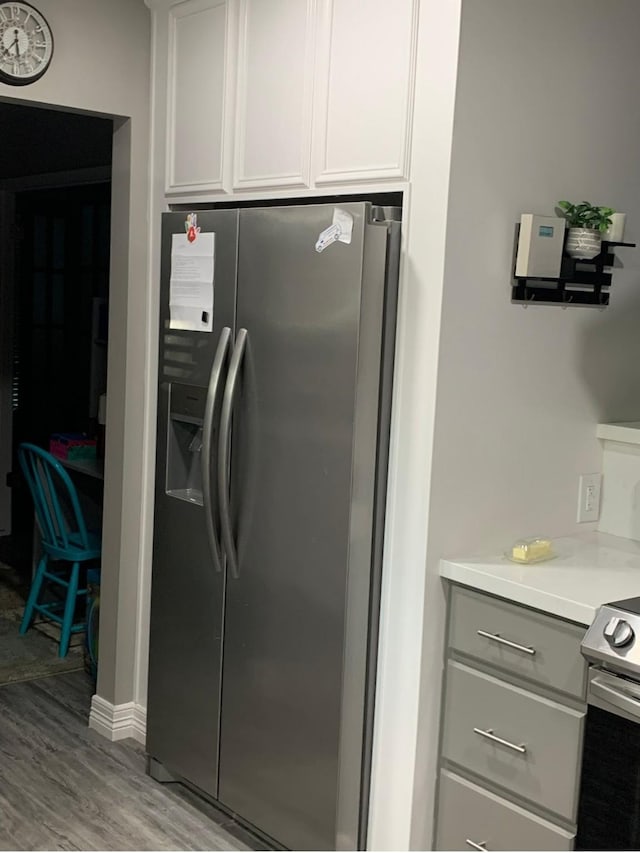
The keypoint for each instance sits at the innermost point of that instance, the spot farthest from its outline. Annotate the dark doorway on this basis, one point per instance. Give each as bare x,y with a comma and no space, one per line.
60,327
55,212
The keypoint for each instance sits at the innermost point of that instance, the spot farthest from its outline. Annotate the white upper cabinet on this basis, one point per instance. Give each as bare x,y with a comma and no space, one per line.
274,92
364,79
286,95
198,41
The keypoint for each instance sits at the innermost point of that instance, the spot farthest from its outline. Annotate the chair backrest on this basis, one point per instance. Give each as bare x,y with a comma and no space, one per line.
58,512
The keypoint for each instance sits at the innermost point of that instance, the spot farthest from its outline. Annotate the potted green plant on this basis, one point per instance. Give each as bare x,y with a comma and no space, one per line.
586,223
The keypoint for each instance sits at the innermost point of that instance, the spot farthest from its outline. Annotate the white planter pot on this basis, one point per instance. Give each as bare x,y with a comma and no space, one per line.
583,243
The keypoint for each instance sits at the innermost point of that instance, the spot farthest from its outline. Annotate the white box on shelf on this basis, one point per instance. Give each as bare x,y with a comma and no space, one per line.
615,232
620,509
540,243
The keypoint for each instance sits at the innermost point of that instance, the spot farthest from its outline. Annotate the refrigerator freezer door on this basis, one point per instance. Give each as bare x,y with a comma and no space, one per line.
294,455
187,592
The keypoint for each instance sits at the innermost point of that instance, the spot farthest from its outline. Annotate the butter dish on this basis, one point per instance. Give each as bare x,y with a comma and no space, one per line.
533,550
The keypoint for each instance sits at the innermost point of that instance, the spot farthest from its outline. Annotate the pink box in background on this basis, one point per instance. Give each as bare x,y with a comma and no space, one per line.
72,445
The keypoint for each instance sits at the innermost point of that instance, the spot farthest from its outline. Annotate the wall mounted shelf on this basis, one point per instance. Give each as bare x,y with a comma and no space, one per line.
581,282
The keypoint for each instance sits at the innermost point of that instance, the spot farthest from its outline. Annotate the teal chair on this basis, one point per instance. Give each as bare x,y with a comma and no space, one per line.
66,543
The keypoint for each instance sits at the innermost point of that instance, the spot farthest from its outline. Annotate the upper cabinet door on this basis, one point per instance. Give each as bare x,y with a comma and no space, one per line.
365,69
197,101
274,93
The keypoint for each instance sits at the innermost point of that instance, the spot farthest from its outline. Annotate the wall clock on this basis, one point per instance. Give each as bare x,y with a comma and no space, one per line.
26,43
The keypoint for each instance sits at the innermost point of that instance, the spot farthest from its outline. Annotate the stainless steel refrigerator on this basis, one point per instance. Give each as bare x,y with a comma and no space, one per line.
269,513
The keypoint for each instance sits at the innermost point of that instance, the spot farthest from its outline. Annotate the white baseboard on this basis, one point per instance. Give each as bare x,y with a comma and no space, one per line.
117,722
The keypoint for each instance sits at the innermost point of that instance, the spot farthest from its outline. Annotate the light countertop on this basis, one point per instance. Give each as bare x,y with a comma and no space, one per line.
589,570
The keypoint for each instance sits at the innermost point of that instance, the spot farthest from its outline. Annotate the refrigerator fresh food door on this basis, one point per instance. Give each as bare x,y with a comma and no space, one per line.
304,389
187,594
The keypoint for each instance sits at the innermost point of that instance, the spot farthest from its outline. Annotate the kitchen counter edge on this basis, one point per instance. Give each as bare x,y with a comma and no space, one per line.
589,571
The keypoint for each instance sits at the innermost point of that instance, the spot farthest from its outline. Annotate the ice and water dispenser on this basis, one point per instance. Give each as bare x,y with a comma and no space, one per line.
184,442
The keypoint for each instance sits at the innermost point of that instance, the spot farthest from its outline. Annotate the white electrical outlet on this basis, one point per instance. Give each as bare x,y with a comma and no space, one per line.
589,497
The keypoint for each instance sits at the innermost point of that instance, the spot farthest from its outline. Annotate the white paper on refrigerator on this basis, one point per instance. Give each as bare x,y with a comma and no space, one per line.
191,282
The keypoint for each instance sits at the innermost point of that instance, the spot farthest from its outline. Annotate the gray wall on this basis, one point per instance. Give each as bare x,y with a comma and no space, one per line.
546,109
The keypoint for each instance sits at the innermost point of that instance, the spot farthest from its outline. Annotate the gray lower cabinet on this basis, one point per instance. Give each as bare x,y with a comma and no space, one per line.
525,643
522,742
512,727
470,818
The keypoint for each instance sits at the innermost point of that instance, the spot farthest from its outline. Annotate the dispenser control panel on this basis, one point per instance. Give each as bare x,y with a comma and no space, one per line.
187,402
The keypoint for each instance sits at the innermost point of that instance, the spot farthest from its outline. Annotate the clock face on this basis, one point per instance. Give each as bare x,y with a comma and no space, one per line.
26,44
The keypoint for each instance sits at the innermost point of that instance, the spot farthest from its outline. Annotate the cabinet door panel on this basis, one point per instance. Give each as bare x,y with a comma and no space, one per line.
274,91
468,815
365,76
196,95
526,744
523,642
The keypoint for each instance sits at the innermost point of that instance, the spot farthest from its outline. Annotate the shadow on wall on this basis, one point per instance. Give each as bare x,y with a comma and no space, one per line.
609,352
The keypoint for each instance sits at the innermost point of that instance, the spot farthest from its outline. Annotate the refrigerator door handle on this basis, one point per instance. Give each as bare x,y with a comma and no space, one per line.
207,432
223,452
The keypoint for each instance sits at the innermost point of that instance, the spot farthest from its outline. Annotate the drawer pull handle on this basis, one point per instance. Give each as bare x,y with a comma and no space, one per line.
475,846
498,639
521,748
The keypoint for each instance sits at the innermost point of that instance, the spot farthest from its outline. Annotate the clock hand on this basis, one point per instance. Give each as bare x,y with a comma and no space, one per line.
16,42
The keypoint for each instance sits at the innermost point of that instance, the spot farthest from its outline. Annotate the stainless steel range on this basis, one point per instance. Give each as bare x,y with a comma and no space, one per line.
609,812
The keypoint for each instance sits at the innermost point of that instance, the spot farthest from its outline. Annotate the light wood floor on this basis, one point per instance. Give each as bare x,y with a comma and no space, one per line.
63,787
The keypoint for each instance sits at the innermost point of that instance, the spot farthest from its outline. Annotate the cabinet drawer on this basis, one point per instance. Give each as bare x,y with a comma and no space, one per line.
468,815
538,647
530,745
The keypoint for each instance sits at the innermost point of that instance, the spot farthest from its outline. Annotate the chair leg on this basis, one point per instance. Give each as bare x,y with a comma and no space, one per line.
69,609
34,592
